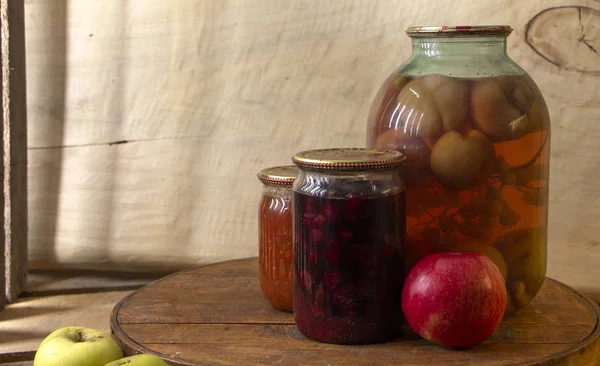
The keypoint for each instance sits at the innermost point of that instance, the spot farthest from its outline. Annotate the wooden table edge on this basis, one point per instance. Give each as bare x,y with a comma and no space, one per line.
128,344
589,344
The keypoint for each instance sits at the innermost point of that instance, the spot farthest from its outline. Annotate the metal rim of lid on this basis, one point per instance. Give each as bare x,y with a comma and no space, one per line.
348,159
278,175
458,30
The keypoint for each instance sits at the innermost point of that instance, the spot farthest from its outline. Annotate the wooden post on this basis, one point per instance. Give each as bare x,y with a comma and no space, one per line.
14,147
2,237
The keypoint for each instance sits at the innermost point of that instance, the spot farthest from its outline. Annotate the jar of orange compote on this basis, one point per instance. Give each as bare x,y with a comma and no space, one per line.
476,133
275,236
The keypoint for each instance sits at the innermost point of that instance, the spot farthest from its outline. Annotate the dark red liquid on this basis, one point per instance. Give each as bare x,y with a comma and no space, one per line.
348,267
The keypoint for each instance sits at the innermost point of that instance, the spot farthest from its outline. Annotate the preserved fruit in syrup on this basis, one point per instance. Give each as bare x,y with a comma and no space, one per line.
476,133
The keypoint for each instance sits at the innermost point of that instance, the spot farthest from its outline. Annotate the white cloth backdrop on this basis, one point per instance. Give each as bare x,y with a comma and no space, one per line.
148,120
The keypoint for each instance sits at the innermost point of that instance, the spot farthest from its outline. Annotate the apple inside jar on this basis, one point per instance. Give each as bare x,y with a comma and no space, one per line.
348,267
477,153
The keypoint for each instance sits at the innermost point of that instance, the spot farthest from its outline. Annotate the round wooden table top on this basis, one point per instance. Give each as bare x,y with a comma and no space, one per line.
216,315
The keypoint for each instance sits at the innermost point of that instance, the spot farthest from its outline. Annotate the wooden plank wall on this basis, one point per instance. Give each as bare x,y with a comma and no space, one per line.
149,119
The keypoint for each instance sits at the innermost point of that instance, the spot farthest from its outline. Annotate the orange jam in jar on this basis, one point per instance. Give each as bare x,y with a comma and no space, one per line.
275,236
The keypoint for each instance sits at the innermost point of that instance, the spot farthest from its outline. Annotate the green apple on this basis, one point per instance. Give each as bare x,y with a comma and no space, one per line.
139,360
77,346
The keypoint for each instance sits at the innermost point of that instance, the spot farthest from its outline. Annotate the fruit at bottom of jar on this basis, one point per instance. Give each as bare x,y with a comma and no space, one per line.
504,109
525,247
524,251
450,97
487,250
458,161
519,296
417,113
454,299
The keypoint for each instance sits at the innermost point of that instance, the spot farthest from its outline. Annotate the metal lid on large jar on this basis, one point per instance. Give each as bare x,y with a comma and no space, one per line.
348,159
278,175
458,30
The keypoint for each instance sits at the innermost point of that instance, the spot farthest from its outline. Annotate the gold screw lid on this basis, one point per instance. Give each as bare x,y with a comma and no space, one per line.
278,175
348,159
458,30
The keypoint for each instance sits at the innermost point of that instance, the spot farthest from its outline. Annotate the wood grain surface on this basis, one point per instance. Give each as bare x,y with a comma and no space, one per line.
56,299
15,146
25,323
216,315
3,236
148,123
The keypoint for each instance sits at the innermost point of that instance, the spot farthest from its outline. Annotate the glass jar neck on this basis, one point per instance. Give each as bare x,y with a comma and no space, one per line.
277,191
475,46
464,57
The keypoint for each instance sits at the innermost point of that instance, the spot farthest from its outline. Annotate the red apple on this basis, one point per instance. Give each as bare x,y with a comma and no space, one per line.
454,299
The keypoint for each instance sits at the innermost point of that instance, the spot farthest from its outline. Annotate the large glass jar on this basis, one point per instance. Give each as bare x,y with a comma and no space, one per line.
275,236
349,207
476,133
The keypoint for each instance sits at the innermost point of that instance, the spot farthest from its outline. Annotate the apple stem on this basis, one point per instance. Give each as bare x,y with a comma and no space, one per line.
80,336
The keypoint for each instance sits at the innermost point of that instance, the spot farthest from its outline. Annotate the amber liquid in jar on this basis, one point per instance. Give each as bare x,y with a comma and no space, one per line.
275,236
349,270
476,170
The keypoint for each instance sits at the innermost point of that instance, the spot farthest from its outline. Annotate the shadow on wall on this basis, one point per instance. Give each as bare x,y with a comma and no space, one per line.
113,181
49,89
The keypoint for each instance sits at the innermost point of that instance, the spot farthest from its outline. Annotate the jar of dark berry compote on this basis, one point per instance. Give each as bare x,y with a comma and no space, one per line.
349,228
275,236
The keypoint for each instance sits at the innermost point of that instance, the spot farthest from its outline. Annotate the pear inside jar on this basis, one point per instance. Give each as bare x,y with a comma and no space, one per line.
504,109
476,170
432,105
459,160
